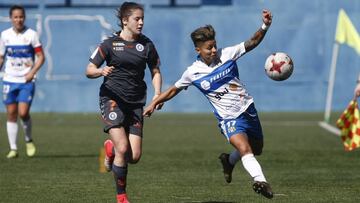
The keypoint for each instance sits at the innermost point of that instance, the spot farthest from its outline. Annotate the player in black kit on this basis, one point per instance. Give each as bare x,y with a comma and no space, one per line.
123,91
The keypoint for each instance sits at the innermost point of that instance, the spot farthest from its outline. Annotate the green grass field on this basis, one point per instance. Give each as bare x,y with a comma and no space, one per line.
303,162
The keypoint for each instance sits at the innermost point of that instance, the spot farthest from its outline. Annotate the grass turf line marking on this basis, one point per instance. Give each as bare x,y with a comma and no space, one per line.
330,128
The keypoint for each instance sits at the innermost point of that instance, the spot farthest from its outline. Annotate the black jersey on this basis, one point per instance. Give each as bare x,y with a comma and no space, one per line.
126,81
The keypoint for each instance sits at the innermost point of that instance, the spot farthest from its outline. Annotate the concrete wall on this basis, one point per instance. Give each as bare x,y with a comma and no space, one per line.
303,29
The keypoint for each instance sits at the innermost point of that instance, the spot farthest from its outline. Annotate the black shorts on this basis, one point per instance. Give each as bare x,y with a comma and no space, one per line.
115,114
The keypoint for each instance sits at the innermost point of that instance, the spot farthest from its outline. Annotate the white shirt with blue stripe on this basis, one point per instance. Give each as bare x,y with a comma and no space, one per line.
220,83
19,49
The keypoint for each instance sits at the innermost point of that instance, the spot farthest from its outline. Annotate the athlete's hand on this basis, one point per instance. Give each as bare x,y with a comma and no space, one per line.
148,110
159,106
29,77
107,70
267,17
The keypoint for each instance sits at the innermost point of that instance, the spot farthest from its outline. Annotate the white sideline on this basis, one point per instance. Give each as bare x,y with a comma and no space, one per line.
330,128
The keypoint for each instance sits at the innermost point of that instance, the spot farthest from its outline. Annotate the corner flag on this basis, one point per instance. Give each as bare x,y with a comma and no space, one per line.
349,125
346,32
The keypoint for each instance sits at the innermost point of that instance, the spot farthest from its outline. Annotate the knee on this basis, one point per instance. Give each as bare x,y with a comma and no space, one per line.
12,119
12,116
245,150
121,150
24,116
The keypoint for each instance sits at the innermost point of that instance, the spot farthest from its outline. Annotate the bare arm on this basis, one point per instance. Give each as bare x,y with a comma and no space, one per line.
40,59
157,83
163,97
1,61
259,35
92,71
156,80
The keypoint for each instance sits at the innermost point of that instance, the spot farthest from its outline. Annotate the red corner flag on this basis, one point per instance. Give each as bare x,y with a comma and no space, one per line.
349,125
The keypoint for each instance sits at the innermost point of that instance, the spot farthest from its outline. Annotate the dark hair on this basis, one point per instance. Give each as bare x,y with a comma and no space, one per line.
16,7
126,10
203,34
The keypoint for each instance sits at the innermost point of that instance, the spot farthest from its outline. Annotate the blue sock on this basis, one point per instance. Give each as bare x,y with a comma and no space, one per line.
120,174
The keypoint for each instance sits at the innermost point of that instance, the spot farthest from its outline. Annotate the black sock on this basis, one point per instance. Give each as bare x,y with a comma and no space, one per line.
120,174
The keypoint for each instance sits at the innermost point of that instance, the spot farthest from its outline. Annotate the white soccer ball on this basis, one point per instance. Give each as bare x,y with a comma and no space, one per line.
279,66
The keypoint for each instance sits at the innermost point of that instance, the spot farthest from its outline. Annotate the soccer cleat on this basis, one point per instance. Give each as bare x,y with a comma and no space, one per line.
227,167
12,154
30,149
122,198
109,155
264,189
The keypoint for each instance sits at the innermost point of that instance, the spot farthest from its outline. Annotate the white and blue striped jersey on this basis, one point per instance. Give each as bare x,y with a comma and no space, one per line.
220,82
19,49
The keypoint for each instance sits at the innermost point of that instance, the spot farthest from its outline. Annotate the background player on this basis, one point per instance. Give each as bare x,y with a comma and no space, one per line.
20,45
215,74
123,91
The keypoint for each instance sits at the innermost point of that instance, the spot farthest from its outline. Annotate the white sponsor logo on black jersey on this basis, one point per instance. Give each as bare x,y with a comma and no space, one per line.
118,46
112,116
139,47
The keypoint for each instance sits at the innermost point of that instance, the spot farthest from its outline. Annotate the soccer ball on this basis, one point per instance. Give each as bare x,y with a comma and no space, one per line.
279,66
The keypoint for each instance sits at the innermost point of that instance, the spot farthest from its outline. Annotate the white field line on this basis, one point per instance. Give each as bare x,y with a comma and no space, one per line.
330,128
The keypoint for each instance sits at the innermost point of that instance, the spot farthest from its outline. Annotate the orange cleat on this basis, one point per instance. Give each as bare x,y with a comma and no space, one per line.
109,155
122,198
